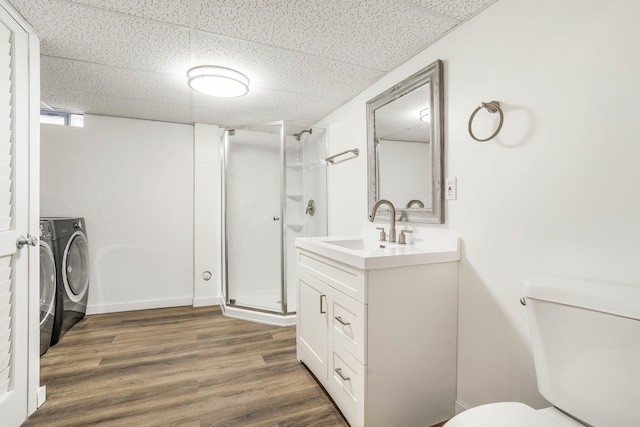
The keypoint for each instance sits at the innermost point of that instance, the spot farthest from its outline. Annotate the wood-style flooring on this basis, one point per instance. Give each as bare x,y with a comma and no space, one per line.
181,366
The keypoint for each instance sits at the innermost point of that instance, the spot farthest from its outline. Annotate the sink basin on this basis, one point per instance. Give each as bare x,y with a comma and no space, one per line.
356,244
371,254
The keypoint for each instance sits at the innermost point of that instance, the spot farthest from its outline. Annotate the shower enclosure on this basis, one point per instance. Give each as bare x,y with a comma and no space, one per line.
274,190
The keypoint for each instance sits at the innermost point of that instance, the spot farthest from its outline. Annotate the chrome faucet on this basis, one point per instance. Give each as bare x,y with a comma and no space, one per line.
415,202
392,215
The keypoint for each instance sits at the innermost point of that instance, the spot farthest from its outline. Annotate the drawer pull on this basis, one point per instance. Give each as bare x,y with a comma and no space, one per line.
322,310
339,319
339,372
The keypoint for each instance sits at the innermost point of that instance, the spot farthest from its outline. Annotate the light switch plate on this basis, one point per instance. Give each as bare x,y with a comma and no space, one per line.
451,189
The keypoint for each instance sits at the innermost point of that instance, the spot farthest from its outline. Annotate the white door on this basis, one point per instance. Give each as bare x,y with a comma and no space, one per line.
14,220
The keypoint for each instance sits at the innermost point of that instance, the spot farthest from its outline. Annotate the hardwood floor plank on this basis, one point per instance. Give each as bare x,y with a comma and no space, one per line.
179,366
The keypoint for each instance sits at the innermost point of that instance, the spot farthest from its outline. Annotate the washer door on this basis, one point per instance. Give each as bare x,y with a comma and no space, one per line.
47,282
75,264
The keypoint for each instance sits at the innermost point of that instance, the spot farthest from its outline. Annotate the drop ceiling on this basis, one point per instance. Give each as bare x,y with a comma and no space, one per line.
305,58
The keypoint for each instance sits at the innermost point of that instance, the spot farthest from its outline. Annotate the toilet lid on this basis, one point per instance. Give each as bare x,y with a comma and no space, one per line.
510,414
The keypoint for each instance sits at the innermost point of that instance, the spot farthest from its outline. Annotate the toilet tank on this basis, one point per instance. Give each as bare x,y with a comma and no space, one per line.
586,346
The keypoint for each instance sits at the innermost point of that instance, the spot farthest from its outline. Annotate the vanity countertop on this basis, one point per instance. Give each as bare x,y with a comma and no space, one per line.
367,254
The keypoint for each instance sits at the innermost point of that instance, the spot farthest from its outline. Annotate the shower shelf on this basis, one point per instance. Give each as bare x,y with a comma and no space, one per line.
295,166
295,227
296,197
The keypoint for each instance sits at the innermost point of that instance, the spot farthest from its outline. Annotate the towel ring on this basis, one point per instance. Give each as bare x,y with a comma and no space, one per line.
492,107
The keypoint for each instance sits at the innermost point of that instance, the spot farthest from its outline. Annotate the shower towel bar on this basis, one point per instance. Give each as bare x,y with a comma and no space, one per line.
331,159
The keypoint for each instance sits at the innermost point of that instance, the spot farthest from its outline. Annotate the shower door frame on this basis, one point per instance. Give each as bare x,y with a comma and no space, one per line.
283,264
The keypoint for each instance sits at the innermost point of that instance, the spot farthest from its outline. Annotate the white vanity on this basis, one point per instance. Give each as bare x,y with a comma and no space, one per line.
378,327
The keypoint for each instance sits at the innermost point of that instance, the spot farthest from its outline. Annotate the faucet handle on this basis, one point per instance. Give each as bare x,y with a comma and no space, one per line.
402,239
383,235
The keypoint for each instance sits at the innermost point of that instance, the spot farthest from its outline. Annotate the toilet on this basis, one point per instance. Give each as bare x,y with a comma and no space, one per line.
586,347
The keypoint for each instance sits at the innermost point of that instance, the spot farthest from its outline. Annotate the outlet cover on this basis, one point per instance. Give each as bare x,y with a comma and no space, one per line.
451,189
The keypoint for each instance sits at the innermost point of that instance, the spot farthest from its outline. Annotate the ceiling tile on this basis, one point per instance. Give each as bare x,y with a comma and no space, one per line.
229,118
280,69
72,31
172,11
67,74
114,106
282,105
457,9
304,58
379,35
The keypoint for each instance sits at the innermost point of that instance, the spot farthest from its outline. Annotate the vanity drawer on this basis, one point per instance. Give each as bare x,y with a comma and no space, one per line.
347,324
347,384
346,279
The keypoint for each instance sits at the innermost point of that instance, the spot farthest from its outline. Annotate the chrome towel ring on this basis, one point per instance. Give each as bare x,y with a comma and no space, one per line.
492,107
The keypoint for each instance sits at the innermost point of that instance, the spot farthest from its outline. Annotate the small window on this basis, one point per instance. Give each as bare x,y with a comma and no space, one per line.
61,118
53,118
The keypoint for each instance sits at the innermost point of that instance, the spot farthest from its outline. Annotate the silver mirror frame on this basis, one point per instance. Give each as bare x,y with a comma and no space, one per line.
432,74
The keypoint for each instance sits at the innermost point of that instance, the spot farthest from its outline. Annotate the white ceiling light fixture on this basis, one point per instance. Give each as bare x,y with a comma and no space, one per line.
218,81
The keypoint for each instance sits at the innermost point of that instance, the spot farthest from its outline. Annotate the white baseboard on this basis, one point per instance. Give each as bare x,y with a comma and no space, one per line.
42,395
205,302
460,407
138,305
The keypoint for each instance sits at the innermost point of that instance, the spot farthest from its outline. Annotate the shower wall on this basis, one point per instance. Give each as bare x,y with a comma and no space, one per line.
306,181
294,214
315,181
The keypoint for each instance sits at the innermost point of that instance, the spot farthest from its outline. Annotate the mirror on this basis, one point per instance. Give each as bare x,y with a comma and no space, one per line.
406,147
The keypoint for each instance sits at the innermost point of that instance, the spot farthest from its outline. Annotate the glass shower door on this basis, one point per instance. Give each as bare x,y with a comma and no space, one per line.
252,219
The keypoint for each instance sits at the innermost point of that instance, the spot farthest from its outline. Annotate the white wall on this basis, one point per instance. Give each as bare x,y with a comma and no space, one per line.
132,180
207,210
556,192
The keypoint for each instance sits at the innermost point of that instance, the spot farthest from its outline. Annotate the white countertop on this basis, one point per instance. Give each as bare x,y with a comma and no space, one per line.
366,254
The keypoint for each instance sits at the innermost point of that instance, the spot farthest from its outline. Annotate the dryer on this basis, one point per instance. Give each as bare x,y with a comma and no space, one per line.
71,252
47,286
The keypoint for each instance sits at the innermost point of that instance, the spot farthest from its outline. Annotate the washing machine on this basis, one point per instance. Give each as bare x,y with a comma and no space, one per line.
47,286
71,251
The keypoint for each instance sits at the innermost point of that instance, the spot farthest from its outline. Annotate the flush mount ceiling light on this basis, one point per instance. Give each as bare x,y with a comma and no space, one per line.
218,81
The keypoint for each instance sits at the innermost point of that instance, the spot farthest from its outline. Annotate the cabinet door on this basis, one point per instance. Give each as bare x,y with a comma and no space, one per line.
312,324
